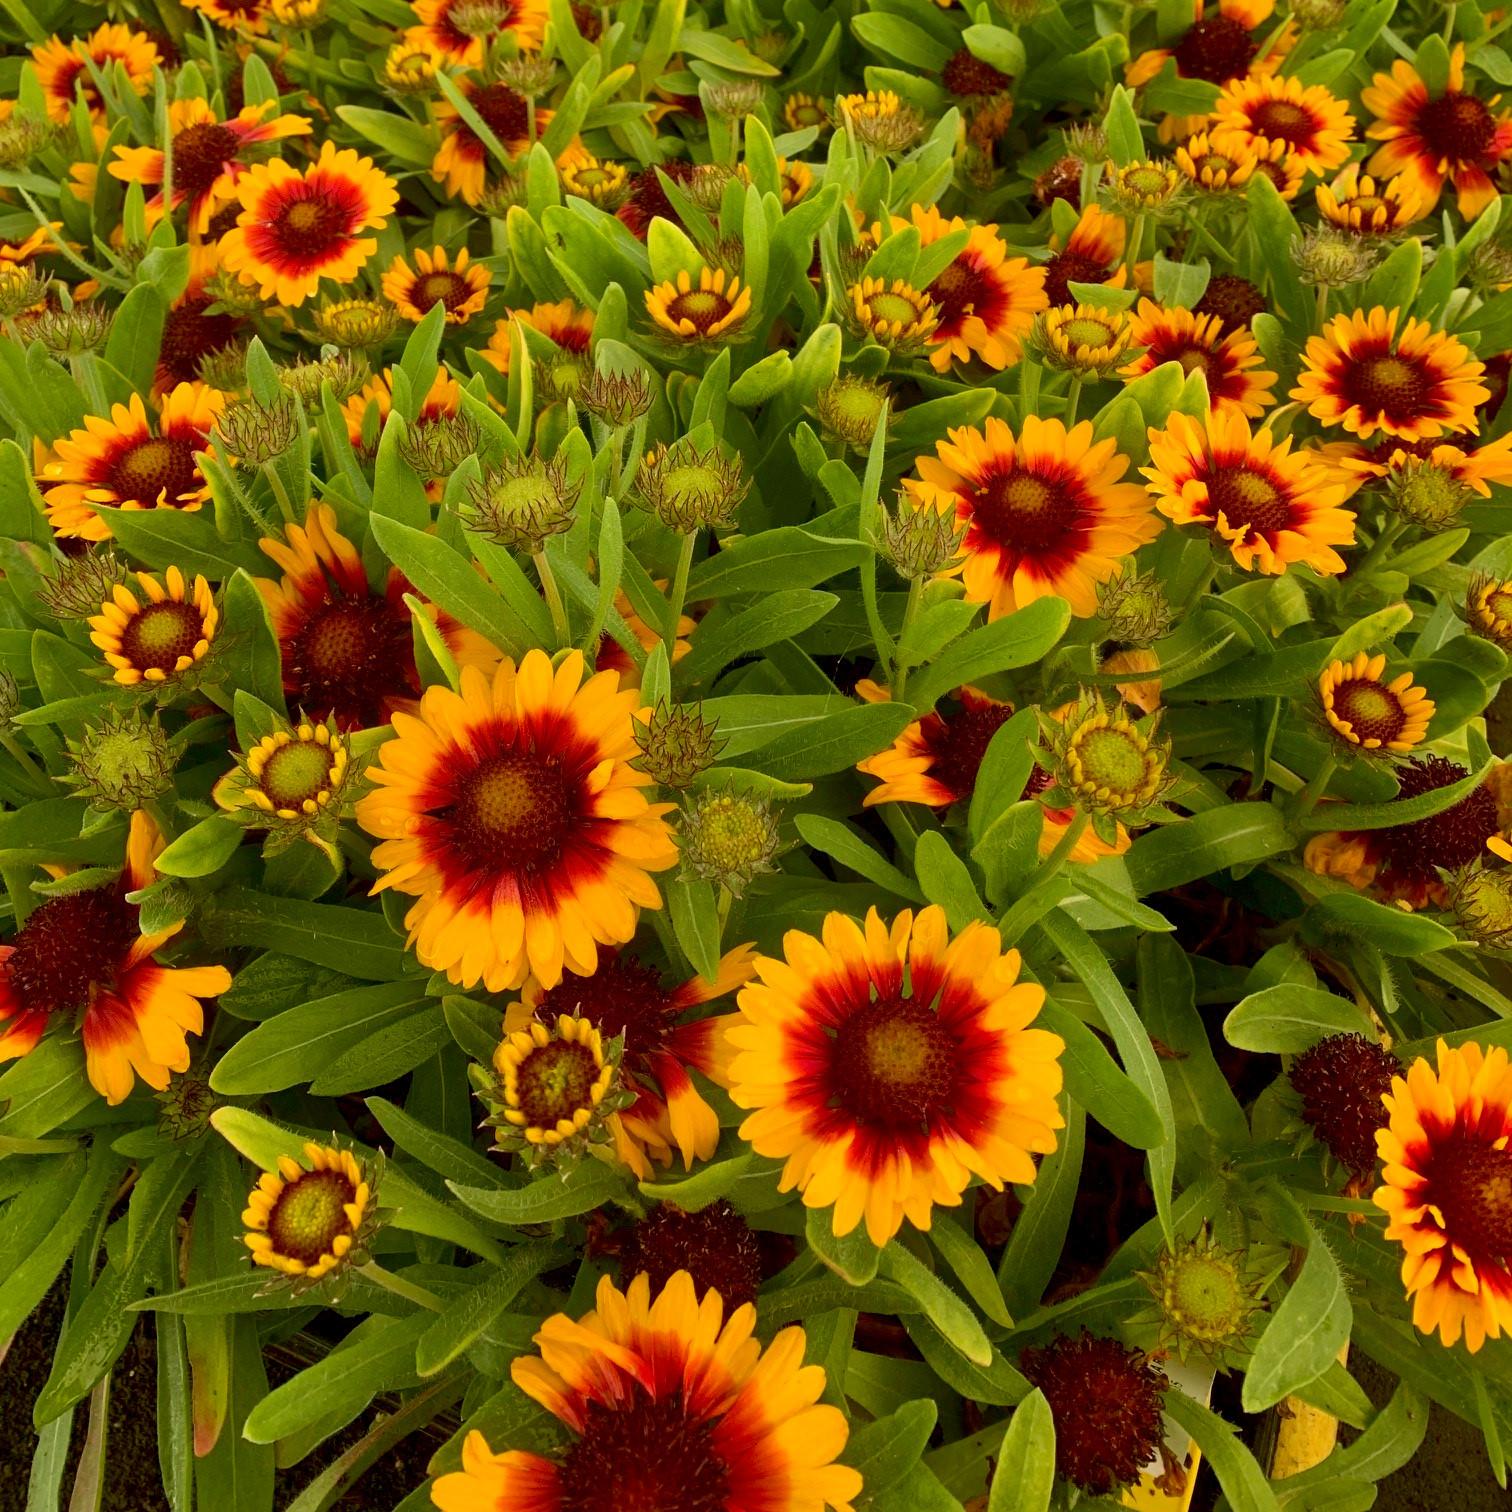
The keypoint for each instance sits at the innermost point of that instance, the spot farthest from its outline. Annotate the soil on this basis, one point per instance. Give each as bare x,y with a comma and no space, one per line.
131,1446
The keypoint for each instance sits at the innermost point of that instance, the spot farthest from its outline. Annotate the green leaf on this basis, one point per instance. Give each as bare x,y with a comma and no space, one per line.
996,45
386,1053
202,849
1305,1333
446,1156
357,941
1392,1438
1238,1472
838,840
852,1257
1015,640
954,1319
833,743
777,617
947,881
135,336
1039,1235
1290,1018
253,662
442,574
549,1196
891,36
695,922
960,1251
1354,916
787,557
710,1182
1097,1083
174,537
1365,816
1025,1474
1125,140
885,1450
399,136
1237,834
472,1314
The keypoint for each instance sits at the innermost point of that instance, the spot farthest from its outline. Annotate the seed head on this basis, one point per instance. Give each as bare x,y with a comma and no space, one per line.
1341,1081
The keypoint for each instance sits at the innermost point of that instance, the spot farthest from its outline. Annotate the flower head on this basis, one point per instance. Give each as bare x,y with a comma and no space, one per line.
292,782
893,313
1313,127
1356,202
691,487
600,181
1488,608
1446,1188
159,635
306,1218
1367,713
919,541
729,838
889,1064
414,284
255,433
936,759
511,813
880,120
1205,167
1087,340
676,743
521,502
1341,1081
1105,762
355,323
461,163
1206,1298
708,309
123,762
715,1245
670,1401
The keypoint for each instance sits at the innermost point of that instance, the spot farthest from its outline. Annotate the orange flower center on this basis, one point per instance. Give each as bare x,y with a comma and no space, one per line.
1387,385
200,155
644,1455
1248,499
159,467
894,1064
67,947
1283,120
1217,49
623,997
160,634
513,810
704,307
1023,512
1372,710
1456,126
449,289
1471,1185
307,1218
555,1081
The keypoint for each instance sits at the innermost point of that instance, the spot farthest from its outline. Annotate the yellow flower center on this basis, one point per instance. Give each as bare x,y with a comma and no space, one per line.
160,634
894,309
1114,759
556,1081
296,773
1085,332
1499,604
307,1218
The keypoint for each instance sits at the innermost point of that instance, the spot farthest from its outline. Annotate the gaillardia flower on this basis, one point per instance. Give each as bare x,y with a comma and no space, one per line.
1365,375
461,163
894,314
293,775
669,1402
63,67
625,998
889,1065
1221,44
80,957
126,463
1403,862
298,228
1106,1403
1229,360
511,813
304,1219
1205,167
1313,126
524,21
704,309
159,635
1366,712
1272,506
1356,202
986,301
1454,137
1488,608
936,759
715,1245
1341,1081
414,284
1446,1188
208,156
1044,512
348,649
1093,254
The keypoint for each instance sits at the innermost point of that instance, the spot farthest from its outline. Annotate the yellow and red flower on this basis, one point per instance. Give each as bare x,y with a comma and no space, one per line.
888,1065
298,228
936,759
302,1220
703,310
1230,361
63,67
442,400
985,300
1455,137
1093,254
80,957
249,16
1205,167
415,284
1365,710
461,163
438,33
567,324
191,330
348,649
1473,467
1044,512
511,812
1364,375
156,636
1356,202
1402,862
1271,505
208,156
128,463
1446,1176
671,1402
1313,126
626,997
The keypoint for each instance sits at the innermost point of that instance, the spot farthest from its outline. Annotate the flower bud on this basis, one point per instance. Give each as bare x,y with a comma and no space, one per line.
521,502
729,838
676,743
123,762
255,433
688,487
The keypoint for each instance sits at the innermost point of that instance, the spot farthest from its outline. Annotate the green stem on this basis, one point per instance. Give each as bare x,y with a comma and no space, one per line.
553,596
280,493
1073,400
899,672
679,591
1136,235
1322,305
1390,532
1201,586
24,758
1306,800
1451,14
375,1273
